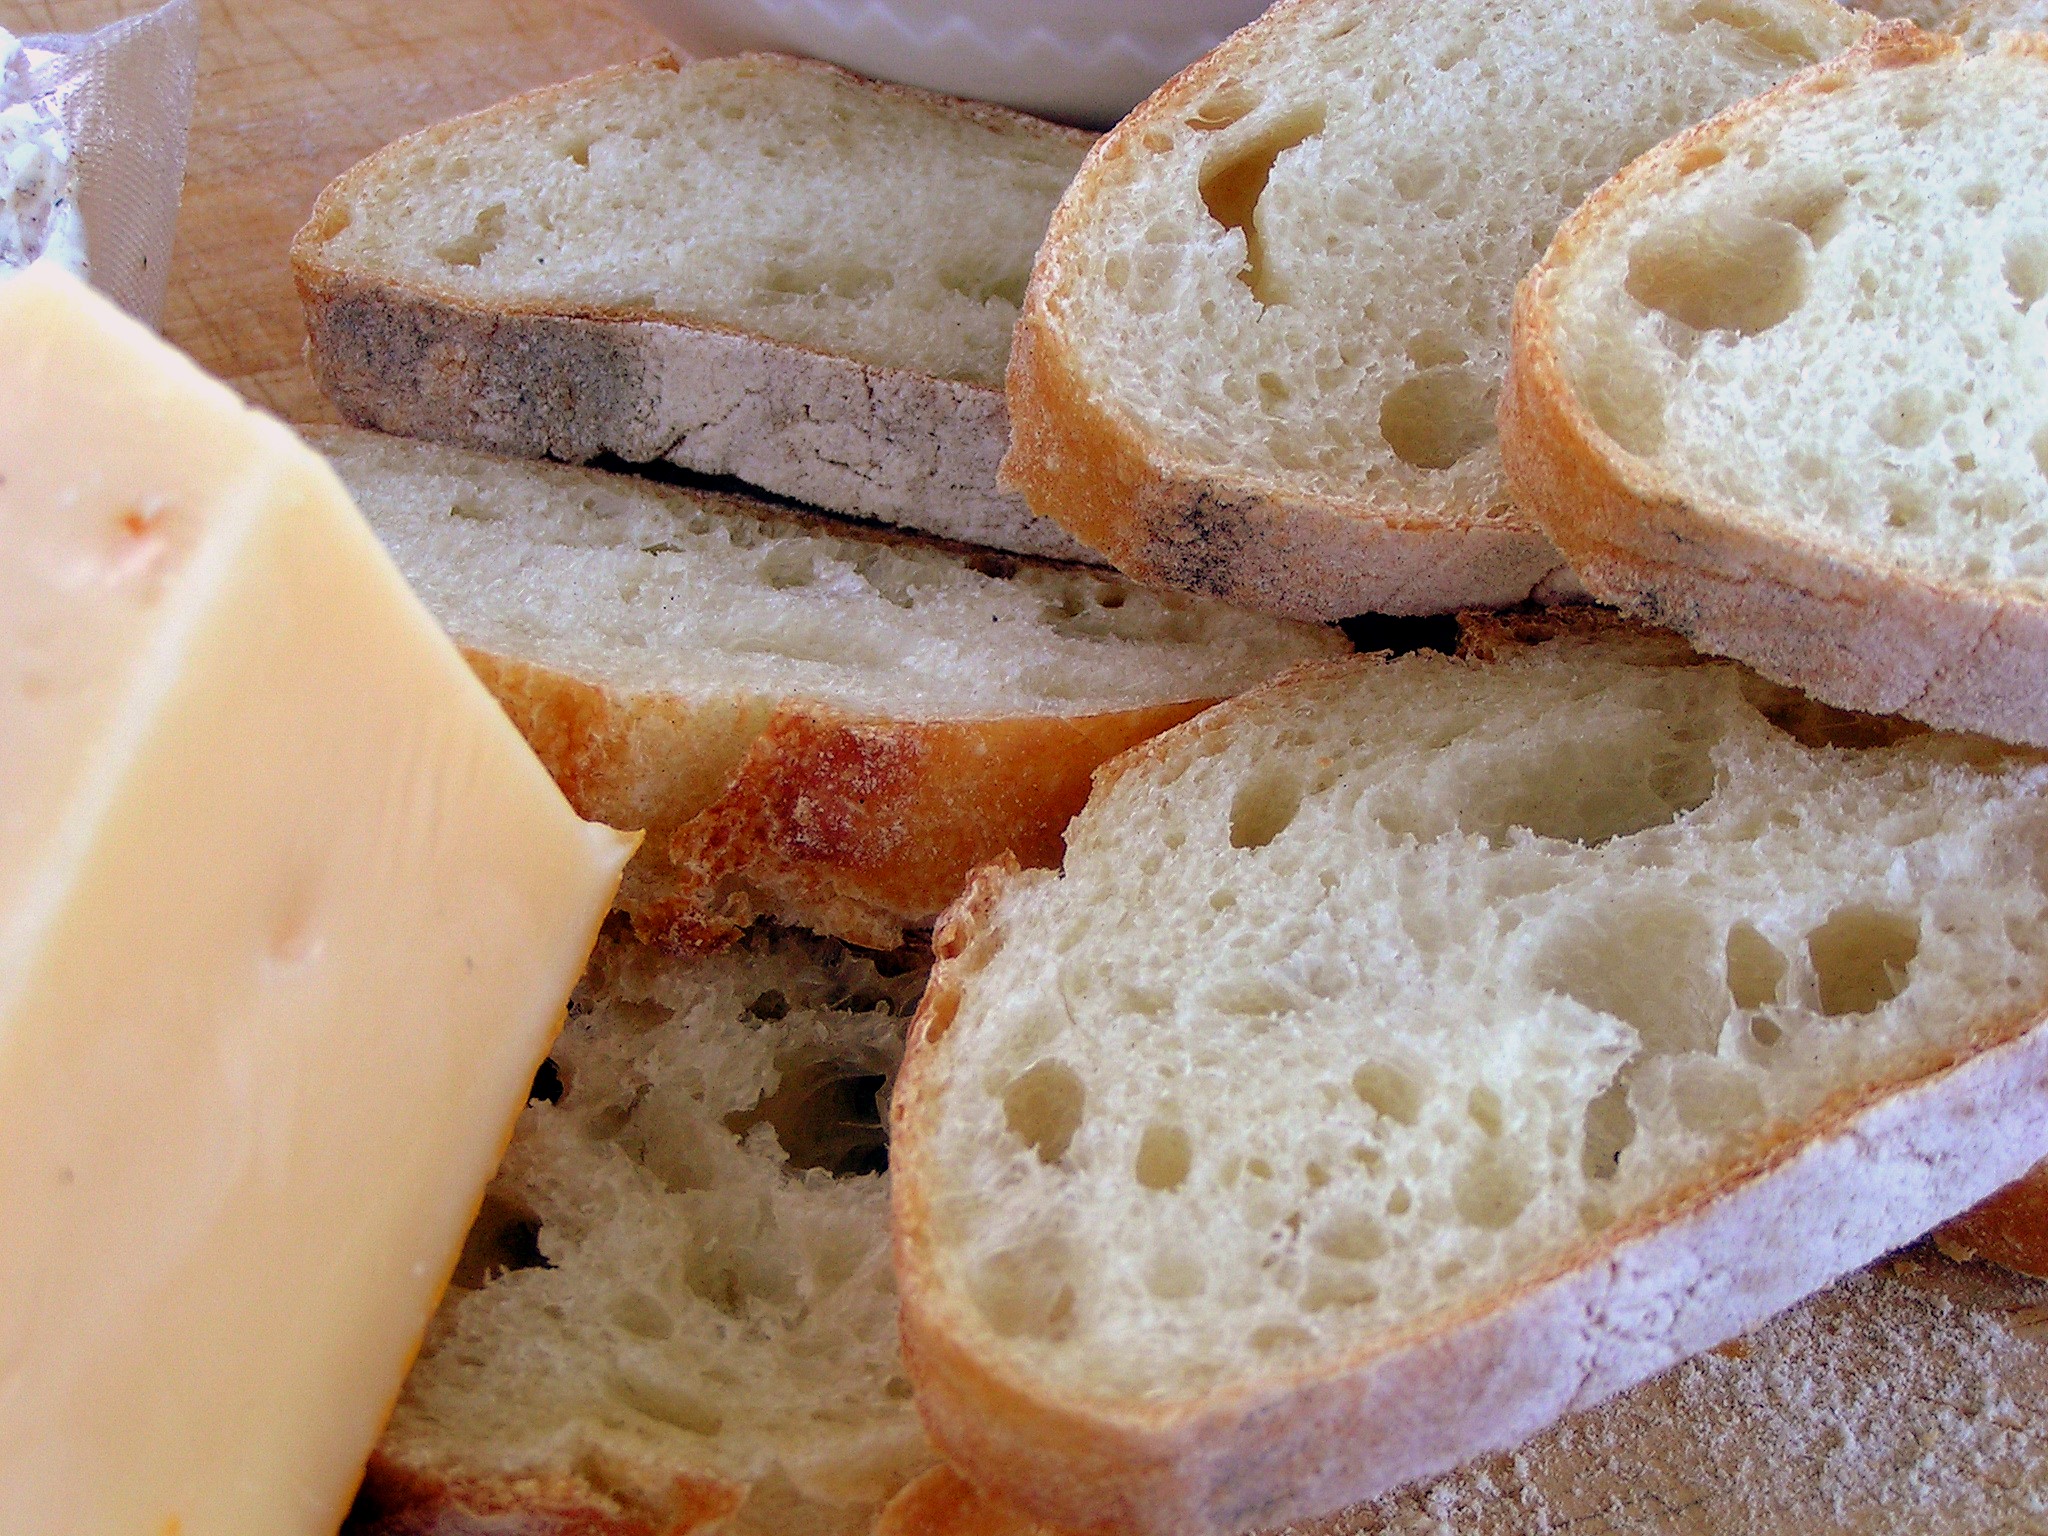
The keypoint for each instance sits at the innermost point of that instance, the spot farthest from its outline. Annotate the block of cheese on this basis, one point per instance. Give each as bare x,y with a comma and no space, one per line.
288,917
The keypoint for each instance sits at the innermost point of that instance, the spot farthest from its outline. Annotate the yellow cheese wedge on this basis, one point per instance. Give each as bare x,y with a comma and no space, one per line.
288,916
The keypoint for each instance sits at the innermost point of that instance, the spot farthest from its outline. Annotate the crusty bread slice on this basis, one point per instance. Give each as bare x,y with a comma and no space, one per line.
676,1309
814,722
1412,1051
1262,342
760,267
1783,383
2010,1229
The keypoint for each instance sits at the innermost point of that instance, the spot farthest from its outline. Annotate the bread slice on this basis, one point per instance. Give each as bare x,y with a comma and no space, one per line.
1978,24
814,722
1262,343
1783,385
760,267
1415,1050
676,1310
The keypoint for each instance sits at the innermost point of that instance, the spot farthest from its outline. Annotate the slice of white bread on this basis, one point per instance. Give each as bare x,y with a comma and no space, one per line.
814,722
1412,1051
1979,23
1262,343
760,267
676,1309
1899,1400
1783,384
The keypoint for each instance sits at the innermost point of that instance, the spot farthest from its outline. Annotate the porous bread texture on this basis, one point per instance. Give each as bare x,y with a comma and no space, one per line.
1929,15
1980,23
770,195
815,722
1412,1050
1263,341
1784,384
676,1311
761,267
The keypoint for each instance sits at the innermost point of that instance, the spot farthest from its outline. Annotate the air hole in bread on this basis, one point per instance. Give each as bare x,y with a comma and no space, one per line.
1908,509
1234,179
1813,724
1174,1277
1436,417
1231,102
1909,419
1813,208
1726,270
981,284
826,1114
503,1239
1712,1097
639,1314
474,512
547,1084
664,1403
1336,1285
2026,267
1043,1107
1760,34
1610,1127
576,149
1278,1338
2038,446
1593,789
1354,1237
1482,1107
1490,1191
1625,398
1862,958
1024,1291
1655,965
1264,807
1390,1090
1756,968
485,235
1165,1154
821,277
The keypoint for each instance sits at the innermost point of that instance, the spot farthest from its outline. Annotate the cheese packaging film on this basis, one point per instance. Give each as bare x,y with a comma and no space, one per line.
288,918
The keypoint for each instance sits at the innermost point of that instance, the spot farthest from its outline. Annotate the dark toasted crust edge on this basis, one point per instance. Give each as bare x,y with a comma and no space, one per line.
1857,632
2010,1229
1870,1170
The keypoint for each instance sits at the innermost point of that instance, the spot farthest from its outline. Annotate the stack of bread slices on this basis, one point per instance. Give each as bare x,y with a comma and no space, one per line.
1087,1044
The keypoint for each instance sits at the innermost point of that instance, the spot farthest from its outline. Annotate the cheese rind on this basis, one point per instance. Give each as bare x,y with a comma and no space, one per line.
286,926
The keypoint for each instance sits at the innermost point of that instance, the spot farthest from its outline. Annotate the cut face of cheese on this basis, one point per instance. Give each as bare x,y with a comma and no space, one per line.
288,916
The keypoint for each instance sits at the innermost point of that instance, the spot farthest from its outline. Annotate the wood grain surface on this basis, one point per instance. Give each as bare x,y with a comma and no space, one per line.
1906,1400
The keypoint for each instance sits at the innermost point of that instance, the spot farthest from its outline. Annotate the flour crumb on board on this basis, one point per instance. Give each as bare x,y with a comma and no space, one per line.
1899,1401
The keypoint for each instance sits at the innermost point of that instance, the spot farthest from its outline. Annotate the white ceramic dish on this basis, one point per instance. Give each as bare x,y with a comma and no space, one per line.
1084,61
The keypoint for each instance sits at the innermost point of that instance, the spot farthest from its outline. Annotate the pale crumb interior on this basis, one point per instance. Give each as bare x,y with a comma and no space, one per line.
682,1270
1833,321
756,193
1410,982
648,589
1306,273
1979,24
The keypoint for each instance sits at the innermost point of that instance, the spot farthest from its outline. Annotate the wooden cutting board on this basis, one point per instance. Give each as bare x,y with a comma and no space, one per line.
1905,1400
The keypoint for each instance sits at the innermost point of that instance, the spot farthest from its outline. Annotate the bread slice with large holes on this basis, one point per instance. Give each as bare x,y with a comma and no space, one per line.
815,722
1414,1050
760,267
1783,384
676,1311
1263,340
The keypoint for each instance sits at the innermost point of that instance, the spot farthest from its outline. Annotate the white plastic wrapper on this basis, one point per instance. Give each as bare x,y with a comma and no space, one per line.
92,148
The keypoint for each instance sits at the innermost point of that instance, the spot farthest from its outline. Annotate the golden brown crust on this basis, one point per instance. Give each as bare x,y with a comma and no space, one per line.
397,1500
2009,1229
1883,1162
943,1503
566,381
860,828
1855,631
1168,520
